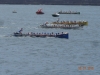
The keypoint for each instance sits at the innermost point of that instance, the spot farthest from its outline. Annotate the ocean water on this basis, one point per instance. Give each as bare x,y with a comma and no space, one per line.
78,55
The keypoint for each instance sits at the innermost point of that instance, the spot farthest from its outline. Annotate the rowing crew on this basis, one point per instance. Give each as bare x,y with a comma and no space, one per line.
58,35
38,34
44,34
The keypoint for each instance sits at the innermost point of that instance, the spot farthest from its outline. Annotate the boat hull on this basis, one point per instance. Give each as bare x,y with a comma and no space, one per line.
39,12
19,34
55,15
63,36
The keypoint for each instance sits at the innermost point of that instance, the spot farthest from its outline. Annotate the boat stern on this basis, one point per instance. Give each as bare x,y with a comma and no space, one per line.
65,35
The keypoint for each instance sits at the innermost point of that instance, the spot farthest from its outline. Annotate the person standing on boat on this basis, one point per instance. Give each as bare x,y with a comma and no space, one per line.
46,23
20,31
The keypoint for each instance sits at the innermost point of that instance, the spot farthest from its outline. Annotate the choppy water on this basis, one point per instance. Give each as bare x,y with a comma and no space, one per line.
49,56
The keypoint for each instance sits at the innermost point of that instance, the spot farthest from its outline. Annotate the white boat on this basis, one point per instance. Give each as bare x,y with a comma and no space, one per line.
55,15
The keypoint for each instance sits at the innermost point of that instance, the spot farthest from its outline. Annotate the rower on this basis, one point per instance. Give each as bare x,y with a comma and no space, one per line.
62,33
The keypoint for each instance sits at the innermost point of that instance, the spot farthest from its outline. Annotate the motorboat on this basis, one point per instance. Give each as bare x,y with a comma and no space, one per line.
55,15
40,11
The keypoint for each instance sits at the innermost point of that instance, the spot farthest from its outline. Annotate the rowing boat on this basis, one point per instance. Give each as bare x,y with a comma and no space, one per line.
71,22
61,26
56,35
69,12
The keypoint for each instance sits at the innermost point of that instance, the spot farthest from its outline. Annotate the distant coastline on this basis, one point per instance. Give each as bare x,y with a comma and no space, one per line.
52,2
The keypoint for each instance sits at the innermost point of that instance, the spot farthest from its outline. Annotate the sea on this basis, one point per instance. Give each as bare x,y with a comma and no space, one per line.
78,55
